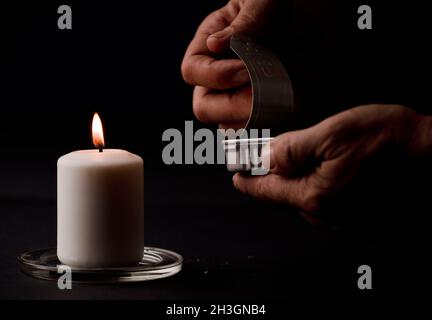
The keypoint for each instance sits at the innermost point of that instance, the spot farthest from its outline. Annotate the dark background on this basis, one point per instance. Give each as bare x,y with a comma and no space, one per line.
122,59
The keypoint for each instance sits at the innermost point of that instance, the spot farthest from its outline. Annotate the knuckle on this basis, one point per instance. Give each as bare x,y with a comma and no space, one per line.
216,15
246,19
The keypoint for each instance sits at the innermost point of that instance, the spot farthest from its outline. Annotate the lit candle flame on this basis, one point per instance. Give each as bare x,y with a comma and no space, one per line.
97,130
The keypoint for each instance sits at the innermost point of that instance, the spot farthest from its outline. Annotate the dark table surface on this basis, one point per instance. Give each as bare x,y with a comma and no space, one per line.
233,246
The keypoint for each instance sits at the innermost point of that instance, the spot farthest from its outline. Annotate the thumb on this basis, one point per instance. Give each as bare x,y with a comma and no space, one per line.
219,41
292,153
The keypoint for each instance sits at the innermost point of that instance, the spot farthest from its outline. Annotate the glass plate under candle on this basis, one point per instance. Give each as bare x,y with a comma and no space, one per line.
155,264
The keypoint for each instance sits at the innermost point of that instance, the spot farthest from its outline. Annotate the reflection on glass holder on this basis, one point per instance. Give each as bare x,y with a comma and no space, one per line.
155,264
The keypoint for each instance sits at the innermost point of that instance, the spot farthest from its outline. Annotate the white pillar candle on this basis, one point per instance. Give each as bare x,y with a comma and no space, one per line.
100,207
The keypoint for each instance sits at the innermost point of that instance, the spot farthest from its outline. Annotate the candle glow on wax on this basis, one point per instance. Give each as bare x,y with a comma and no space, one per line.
100,206
97,132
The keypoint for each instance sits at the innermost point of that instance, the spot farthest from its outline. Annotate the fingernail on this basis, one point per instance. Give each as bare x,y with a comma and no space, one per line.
234,179
222,34
241,76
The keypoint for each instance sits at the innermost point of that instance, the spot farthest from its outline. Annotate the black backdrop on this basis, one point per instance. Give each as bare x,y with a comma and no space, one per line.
122,59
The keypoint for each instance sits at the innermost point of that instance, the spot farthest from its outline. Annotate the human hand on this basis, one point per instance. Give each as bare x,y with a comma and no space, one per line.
312,165
222,91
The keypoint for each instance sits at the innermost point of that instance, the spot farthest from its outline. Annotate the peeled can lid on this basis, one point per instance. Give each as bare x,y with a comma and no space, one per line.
273,104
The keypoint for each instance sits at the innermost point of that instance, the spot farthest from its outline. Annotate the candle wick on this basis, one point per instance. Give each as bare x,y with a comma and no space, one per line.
100,149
